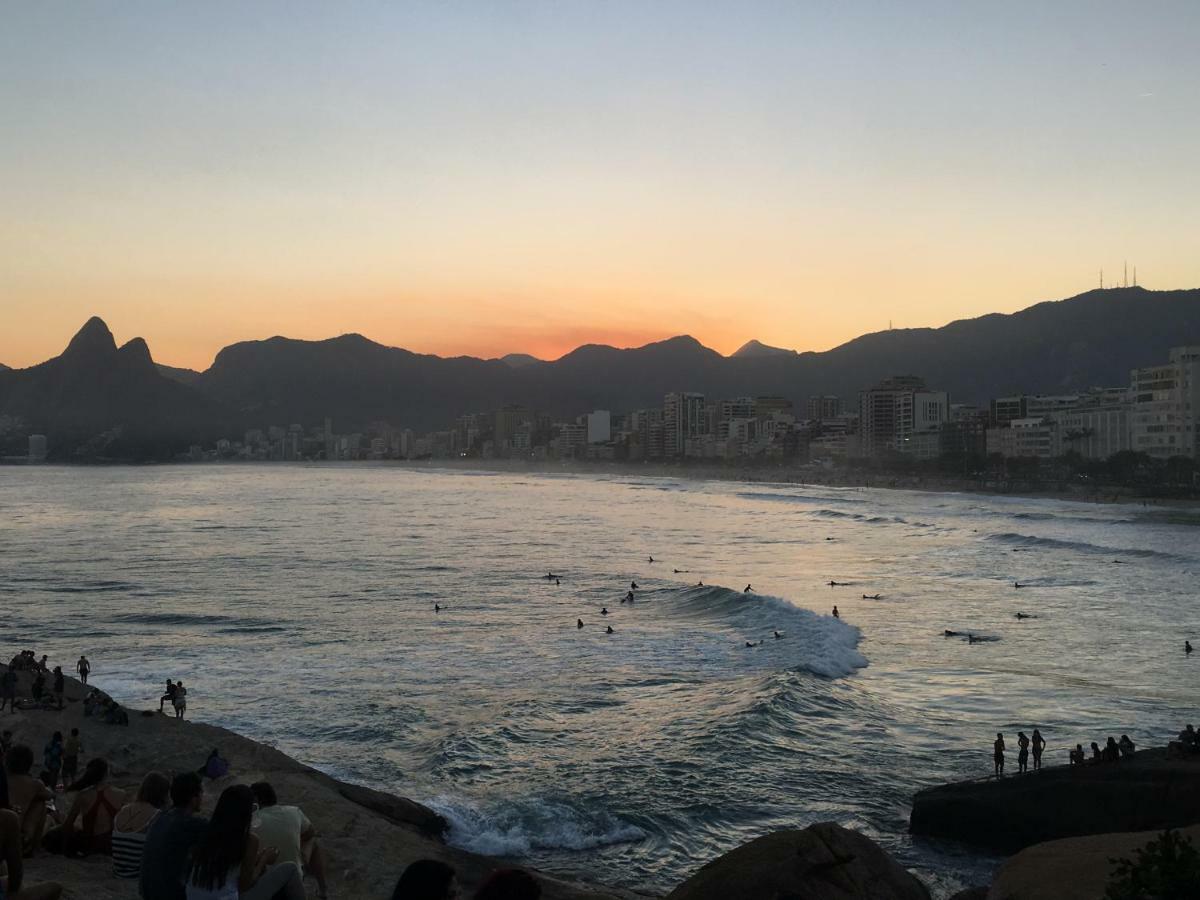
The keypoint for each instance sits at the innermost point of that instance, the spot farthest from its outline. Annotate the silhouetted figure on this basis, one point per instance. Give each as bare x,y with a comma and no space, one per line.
747,589
608,630
1077,756
436,608
1018,584
604,610
628,598
169,695
1111,752
778,635
651,559
699,584
84,668
1097,756
579,623
998,754
1039,744
557,582
1187,646
1022,753
633,586
1025,616
1125,745
871,596
838,615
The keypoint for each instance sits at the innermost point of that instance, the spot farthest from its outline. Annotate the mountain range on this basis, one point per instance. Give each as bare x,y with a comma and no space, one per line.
1090,340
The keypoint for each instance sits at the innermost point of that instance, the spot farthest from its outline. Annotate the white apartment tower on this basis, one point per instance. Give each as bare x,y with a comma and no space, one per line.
1166,406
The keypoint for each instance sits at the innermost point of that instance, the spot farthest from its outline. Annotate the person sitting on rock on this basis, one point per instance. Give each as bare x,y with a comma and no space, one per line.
1126,746
1187,737
1112,753
427,879
1077,756
28,797
88,827
1097,756
289,831
12,852
998,754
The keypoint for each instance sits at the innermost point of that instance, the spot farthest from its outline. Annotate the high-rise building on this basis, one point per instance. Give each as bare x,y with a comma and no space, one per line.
899,415
1166,406
684,418
822,408
599,427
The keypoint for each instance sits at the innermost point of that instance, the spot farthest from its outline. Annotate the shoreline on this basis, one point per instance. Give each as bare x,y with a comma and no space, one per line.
369,836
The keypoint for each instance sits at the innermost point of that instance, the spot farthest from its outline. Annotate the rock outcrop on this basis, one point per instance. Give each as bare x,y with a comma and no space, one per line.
1146,792
821,862
1070,869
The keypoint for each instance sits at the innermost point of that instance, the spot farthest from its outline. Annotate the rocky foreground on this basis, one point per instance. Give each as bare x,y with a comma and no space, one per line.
371,836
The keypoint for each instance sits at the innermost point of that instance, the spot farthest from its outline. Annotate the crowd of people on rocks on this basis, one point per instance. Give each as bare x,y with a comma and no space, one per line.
1035,745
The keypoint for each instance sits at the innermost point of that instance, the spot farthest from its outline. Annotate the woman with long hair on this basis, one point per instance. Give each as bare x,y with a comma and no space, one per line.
230,864
132,824
95,807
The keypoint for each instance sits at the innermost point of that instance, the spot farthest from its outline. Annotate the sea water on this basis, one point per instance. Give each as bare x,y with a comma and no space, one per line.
297,603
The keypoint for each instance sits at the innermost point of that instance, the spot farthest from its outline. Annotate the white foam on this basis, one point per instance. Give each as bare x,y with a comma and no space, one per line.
517,828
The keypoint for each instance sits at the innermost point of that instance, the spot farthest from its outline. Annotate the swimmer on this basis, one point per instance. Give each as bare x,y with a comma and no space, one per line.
829,539
1017,584
838,583
778,635
836,614
579,623
949,633
608,630
699,584
747,589
971,639
1187,646
651,559
604,610
436,608
628,598
1025,616
633,586
557,582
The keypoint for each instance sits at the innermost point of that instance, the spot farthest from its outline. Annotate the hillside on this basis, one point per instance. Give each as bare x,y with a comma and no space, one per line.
1090,340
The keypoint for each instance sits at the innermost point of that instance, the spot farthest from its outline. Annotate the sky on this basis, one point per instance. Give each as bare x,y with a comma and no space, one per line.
491,177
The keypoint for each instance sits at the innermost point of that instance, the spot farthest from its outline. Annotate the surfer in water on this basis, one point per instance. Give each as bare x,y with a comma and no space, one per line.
579,623
699,584
608,630
557,582
436,608
1187,646
836,614
1025,616
747,590
1017,584
871,596
778,635
604,610
651,559
633,586
628,598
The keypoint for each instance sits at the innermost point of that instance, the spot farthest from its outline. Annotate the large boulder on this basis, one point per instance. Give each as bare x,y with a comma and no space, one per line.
821,862
1146,792
1076,868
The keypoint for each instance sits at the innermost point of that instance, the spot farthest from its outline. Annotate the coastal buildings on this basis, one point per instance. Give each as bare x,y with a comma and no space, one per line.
1166,406
684,419
900,415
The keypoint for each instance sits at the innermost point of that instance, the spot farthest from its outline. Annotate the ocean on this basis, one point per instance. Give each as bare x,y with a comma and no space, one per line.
297,603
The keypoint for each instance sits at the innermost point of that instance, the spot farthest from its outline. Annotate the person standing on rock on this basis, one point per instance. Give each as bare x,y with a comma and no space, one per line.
1022,752
84,668
998,754
1039,744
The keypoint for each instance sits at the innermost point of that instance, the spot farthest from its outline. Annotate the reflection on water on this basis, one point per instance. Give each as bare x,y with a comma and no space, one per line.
297,603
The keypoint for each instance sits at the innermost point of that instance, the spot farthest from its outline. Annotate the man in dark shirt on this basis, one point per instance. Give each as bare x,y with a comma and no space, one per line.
171,839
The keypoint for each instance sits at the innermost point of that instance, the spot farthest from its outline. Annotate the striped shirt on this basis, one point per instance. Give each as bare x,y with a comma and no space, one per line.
127,850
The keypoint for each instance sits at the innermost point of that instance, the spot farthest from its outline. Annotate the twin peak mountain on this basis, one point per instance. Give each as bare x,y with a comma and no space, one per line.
1054,347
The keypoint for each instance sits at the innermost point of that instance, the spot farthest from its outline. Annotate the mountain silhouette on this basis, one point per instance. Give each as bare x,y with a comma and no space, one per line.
96,388
758,348
520,360
1054,347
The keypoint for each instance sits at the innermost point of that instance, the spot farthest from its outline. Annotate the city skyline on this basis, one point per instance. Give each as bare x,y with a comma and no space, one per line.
522,178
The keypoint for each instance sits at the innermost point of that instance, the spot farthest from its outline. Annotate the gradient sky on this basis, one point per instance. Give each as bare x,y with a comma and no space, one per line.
493,177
